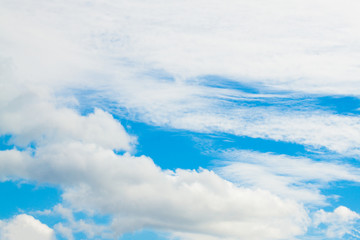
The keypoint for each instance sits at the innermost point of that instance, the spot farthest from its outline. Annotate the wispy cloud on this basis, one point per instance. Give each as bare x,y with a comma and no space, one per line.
297,178
115,50
300,46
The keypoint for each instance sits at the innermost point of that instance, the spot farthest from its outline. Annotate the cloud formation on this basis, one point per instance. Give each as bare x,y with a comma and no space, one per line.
150,64
24,226
297,178
149,61
301,46
139,194
32,116
77,153
339,222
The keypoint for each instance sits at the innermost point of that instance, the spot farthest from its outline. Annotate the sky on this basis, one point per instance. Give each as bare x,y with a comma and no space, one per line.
179,120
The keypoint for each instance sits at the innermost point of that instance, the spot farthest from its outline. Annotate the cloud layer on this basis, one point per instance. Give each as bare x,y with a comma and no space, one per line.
153,62
150,63
302,46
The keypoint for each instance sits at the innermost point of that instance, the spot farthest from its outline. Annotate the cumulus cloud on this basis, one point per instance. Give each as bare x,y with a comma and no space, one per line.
339,222
138,194
24,226
31,115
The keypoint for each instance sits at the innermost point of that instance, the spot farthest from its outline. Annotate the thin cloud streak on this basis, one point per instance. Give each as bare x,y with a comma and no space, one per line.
297,178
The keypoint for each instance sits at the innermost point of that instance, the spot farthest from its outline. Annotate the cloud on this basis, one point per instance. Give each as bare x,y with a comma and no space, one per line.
147,61
64,231
76,152
31,115
339,222
62,147
314,129
138,194
310,49
297,178
24,226
150,64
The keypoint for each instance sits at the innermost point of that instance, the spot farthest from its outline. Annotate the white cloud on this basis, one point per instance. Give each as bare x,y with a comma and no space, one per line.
306,46
313,129
24,226
121,48
339,222
139,194
32,115
76,152
296,178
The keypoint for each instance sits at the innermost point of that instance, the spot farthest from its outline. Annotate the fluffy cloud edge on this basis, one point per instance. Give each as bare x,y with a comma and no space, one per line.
24,226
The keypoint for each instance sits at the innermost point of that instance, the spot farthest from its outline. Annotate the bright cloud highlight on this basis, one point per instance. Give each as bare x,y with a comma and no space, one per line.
24,226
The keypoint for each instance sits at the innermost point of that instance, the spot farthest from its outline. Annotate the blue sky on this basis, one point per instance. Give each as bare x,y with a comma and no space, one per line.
191,120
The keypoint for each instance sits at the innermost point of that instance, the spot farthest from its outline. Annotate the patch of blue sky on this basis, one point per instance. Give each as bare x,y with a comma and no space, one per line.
343,193
340,104
18,197
171,149
5,142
